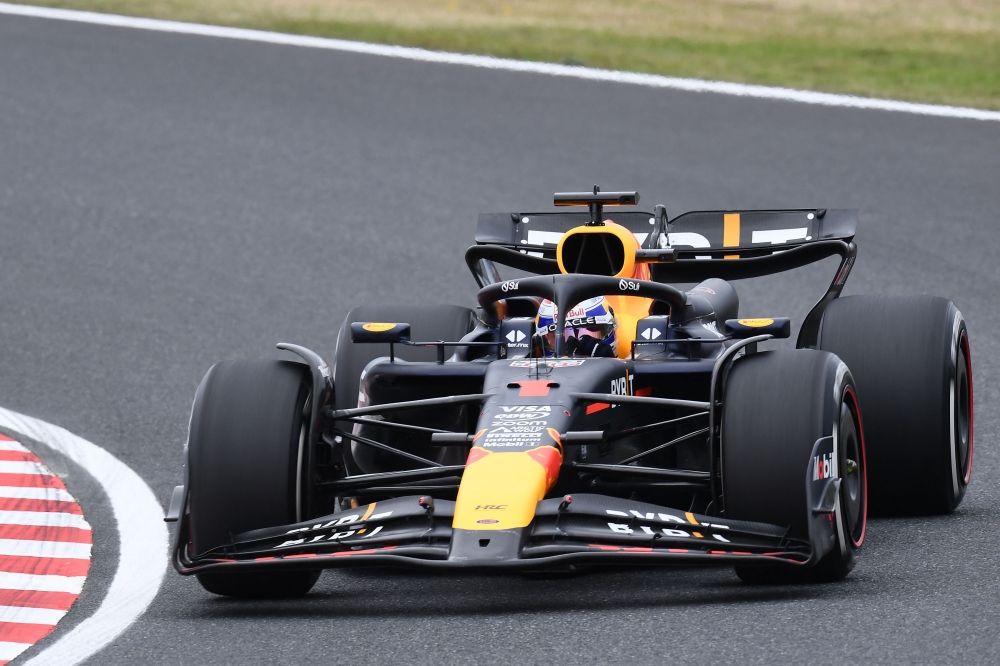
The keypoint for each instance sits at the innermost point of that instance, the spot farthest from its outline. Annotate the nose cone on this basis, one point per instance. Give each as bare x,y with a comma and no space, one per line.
499,490
514,460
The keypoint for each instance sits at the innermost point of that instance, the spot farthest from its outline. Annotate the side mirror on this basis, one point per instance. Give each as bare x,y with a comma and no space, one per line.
379,332
779,327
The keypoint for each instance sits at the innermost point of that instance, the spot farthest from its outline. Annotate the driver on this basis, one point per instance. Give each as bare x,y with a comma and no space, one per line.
590,329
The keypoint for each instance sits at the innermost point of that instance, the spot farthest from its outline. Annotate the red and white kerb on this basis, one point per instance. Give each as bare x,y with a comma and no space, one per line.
44,549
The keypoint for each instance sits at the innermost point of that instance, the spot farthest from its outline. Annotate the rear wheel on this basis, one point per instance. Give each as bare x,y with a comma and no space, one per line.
910,357
777,405
245,466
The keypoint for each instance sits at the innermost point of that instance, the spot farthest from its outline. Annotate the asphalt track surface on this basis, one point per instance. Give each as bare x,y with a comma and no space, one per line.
169,201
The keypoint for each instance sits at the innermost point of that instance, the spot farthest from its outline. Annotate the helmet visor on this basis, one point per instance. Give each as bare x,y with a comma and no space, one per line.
595,326
578,327
599,331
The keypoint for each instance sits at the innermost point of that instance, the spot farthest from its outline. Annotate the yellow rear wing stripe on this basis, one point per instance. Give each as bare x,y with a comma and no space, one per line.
731,232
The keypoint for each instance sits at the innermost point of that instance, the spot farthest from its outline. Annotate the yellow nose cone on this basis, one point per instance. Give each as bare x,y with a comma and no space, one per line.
499,491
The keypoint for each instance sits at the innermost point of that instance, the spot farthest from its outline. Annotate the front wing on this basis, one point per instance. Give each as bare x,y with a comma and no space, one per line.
417,532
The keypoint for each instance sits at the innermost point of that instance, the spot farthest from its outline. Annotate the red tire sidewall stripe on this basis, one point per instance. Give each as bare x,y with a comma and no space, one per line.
856,411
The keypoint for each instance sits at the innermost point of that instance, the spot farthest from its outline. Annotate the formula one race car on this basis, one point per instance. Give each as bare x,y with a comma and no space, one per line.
589,414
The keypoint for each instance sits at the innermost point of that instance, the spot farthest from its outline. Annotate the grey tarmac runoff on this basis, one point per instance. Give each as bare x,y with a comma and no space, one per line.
168,201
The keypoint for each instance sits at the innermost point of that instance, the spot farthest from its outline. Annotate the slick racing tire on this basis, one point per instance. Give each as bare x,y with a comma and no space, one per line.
427,323
244,466
910,358
776,405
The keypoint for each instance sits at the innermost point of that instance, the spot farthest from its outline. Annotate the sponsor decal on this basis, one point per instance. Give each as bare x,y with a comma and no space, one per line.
755,323
518,426
650,334
537,422
491,507
526,408
628,285
378,328
509,285
580,309
591,320
705,289
523,416
619,528
336,536
487,521
513,441
503,436
346,520
619,386
822,467
563,363
663,517
515,337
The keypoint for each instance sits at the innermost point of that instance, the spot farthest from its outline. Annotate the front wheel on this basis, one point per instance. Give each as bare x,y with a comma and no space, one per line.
777,405
245,466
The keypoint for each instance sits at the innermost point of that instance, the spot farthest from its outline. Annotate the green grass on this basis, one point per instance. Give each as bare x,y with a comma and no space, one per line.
965,73
844,53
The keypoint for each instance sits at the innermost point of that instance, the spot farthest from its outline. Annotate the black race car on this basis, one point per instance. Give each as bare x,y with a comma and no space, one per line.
447,438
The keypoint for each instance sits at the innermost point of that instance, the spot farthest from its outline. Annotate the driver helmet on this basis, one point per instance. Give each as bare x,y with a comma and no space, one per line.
592,318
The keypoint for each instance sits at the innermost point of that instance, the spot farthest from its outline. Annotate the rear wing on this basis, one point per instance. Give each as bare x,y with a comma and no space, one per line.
731,245
539,233
717,233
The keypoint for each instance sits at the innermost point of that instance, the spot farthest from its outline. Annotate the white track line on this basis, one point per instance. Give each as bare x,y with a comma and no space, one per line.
29,615
26,492
60,549
10,650
142,559
422,55
23,467
41,583
45,518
